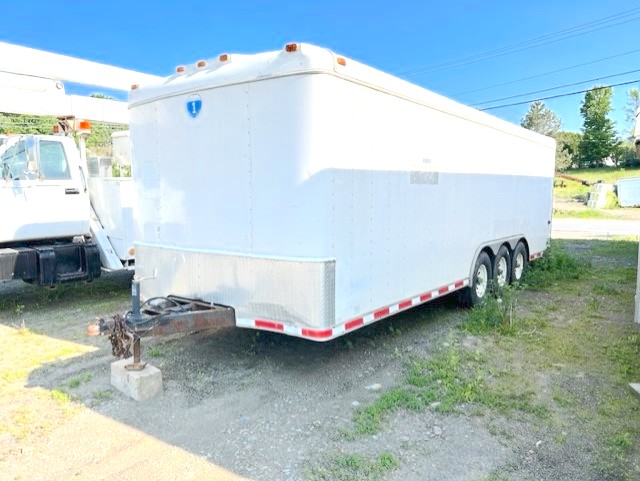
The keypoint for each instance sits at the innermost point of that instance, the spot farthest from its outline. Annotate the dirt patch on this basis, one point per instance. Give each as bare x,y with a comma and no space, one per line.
547,401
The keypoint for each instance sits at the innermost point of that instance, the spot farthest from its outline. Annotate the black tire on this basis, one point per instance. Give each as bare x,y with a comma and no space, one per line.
502,267
519,262
480,281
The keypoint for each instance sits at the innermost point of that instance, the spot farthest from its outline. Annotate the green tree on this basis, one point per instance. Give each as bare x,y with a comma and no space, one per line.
598,130
26,124
630,109
567,150
541,119
624,154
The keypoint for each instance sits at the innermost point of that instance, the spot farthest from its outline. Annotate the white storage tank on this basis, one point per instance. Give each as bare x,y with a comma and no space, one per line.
628,192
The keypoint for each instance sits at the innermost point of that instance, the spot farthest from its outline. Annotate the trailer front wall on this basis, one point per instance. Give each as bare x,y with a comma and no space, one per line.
226,208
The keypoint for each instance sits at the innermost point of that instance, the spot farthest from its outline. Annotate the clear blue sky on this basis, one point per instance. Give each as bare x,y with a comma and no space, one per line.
400,37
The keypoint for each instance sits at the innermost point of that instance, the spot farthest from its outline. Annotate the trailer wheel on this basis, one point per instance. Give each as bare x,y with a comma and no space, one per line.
479,284
502,267
519,264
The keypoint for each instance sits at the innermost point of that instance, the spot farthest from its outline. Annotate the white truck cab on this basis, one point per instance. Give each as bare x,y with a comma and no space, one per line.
44,182
45,231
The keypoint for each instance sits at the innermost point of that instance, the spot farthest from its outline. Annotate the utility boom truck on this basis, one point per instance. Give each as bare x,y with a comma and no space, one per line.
61,222
304,193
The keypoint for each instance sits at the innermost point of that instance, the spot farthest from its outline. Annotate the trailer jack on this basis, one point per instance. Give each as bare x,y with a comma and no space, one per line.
159,316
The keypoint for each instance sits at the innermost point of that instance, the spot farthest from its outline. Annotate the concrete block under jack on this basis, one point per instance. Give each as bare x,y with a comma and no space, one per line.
139,385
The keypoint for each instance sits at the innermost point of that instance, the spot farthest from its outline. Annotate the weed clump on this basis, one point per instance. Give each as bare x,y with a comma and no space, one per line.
555,265
497,312
352,467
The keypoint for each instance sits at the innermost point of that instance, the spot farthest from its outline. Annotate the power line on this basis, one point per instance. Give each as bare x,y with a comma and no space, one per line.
524,48
560,95
546,73
527,44
556,88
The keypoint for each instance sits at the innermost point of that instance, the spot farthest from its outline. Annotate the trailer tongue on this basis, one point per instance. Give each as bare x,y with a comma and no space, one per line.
159,316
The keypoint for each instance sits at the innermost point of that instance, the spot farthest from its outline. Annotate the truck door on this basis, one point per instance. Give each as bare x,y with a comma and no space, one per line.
46,203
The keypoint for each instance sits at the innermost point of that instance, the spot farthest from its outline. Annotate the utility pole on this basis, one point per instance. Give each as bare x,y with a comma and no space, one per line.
636,316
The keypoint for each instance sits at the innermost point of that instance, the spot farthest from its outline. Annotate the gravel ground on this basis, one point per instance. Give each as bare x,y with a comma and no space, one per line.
244,405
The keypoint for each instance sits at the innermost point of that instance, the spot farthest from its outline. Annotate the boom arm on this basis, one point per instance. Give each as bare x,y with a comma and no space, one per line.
30,83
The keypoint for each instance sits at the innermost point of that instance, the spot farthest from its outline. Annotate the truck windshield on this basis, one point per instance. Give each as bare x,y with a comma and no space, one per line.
14,161
53,161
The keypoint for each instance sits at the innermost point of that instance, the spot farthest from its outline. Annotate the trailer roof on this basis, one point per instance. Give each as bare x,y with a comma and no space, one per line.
300,59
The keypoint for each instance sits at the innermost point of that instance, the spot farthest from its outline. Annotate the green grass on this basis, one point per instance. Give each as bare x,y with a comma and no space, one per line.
77,381
498,312
109,289
624,355
587,213
609,175
155,351
625,249
569,190
102,395
556,265
558,357
354,467
445,381
615,457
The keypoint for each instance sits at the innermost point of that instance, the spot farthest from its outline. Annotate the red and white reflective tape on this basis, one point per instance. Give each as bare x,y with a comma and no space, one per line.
352,324
535,256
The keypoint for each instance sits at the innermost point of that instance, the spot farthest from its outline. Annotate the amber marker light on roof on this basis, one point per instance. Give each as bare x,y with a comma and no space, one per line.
291,47
180,69
201,64
224,57
135,86
341,61
83,127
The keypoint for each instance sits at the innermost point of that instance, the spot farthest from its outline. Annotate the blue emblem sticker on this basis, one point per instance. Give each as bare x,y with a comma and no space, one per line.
194,105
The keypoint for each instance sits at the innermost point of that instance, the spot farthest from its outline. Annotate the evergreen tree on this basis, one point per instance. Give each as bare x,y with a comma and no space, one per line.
541,119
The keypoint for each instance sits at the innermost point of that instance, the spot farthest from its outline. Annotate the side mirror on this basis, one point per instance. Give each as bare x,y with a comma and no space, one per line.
32,148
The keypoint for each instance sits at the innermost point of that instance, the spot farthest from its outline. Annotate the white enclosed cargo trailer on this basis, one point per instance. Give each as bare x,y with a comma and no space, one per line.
315,195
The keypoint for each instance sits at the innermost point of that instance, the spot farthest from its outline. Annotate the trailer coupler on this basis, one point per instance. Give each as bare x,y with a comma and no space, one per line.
159,316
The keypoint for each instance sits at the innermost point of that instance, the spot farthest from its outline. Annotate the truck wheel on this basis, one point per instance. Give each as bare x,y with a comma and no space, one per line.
479,284
519,264
502,267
